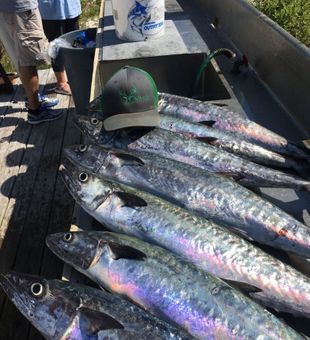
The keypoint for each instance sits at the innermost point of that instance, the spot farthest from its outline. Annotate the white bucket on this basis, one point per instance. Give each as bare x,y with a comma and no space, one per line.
138,20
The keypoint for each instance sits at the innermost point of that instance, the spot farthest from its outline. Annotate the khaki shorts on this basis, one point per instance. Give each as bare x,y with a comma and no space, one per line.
23,38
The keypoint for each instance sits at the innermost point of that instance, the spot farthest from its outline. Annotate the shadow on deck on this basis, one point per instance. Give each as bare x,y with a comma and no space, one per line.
33,199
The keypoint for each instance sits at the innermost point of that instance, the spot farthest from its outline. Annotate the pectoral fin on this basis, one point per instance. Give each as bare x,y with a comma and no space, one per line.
125,252
208,123
92,322
130,200
129,159
243,287
208,140
306,143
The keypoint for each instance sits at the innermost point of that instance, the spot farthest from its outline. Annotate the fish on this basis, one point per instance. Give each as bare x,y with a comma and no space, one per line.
168,287
208,194
210,247
207,157
92,127
197,111
64,310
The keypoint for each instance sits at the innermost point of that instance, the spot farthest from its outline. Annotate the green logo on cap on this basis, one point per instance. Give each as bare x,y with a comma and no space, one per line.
132,97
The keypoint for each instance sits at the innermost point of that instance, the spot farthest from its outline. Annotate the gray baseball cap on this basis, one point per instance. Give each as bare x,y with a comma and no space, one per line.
129,99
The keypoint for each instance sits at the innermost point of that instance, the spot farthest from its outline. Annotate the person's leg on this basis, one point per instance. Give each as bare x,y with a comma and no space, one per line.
31,47
30,80
71,24
53,29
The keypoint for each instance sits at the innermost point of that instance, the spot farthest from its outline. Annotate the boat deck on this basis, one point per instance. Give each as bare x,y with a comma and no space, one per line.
33,199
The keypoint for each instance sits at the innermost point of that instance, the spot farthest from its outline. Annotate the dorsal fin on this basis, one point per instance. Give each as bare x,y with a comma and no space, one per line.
208,123
130,200
129,159
119,251
92,322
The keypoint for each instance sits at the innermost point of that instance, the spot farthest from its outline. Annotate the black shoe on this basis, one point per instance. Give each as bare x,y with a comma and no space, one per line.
43,115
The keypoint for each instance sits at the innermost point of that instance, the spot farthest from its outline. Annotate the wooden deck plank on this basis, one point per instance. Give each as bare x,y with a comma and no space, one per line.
61,217
7,99
14,134
62,208
29,251
19,197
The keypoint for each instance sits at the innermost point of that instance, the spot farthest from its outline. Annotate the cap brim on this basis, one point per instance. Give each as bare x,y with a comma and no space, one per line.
120,121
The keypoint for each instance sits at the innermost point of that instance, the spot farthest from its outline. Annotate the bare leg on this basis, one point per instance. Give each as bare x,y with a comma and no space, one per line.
62,81
30,80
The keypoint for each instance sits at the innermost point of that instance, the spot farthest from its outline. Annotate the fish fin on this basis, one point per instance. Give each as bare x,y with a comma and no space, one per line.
91,321
209,140
130,200
220,104
125,252
243,287
208,123
129,159
256,190
241,233
306,143
231,175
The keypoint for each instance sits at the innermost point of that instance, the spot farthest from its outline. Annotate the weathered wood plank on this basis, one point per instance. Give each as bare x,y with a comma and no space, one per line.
62,208
30,248
60,218
6,100
14,134
96,85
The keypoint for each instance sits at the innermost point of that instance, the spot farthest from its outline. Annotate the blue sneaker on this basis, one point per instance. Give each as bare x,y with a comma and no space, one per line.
45,101
43,115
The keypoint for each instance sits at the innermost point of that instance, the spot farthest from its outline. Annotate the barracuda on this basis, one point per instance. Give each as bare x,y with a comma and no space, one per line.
62,310
210,247
93,128
196,111
212,196
191,151
168,287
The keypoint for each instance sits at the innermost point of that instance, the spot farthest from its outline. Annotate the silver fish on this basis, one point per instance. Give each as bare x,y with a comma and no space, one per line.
168,287
210,195
197,111
92,126
62,310
191,151
210,247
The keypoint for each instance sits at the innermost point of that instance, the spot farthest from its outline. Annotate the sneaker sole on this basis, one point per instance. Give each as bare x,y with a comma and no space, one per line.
44,120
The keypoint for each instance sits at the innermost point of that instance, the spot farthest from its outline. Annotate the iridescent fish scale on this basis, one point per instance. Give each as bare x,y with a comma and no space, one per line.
207,194
70,311
191,151
195,111
175,290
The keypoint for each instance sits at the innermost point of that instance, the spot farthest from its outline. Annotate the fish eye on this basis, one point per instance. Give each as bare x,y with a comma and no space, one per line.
94,120
68,237
83,177
83,148
31,315
36,289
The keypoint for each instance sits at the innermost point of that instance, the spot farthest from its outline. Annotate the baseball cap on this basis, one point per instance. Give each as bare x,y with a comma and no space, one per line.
129,99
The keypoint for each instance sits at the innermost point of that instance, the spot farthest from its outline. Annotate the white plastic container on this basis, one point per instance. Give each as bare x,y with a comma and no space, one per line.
138,20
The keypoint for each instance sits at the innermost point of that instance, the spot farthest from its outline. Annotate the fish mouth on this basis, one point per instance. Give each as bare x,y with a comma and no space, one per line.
12,292
67,176
79,123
